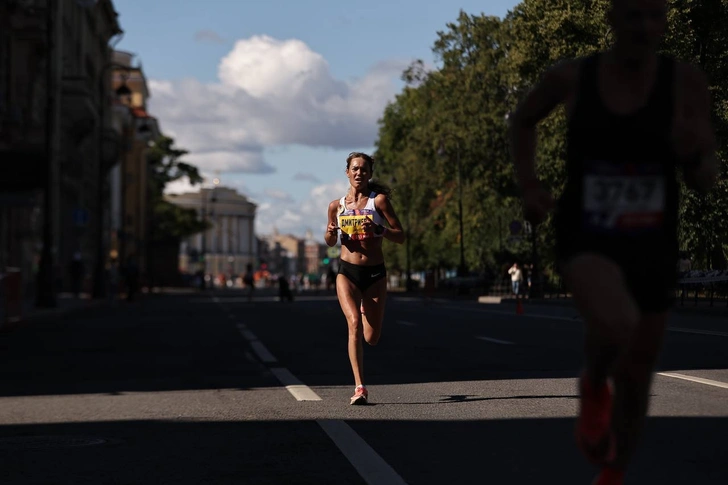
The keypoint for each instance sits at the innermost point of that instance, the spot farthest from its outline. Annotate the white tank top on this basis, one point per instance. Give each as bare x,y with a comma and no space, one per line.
349,220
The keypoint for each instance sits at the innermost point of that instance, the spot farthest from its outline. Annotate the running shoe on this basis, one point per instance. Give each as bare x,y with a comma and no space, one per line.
593,430
361,396
610,476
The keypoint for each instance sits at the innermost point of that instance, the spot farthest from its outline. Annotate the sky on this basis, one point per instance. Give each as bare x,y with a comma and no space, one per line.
270,96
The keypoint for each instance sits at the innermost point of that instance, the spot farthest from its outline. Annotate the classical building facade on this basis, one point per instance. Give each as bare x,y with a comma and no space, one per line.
229,245
130,189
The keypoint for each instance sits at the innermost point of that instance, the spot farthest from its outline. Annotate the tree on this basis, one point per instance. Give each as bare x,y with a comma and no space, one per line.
169,221
697,33
485,67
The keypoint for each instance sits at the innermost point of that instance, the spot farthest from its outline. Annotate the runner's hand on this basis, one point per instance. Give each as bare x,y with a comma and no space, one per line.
537,203
693,142
332,228
368,224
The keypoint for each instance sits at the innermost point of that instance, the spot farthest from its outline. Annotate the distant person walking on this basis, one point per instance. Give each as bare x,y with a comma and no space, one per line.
516,278
76,271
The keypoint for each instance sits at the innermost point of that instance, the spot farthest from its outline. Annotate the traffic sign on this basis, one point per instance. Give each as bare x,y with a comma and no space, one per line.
333,252
80,217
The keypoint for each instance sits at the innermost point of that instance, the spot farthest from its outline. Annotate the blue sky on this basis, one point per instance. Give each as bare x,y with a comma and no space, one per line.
273,94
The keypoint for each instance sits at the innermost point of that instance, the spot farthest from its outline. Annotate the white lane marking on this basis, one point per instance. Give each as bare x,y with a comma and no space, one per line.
262,352
699,332
249,336
577,318
700,380
408,324
298,389
242,326
249,357
495,340
513,314
372,467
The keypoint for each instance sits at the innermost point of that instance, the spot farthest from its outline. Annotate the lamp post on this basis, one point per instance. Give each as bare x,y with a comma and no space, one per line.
99,287
46,295
203,200
462,268
407,234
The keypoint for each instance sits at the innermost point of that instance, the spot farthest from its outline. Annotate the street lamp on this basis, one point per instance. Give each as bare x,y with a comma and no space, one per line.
203,200
462,269
46,296
99,287
407,234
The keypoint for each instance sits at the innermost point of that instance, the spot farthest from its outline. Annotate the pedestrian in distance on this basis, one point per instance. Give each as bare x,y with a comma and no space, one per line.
363,218
516,279
633,117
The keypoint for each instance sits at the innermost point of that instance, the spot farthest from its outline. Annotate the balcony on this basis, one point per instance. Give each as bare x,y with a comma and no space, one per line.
77,107
111,148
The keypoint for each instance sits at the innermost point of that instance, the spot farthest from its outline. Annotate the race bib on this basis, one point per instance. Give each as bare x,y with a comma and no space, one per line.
351,224
623,198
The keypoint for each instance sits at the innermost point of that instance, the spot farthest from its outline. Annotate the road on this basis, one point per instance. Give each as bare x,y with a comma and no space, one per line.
194,388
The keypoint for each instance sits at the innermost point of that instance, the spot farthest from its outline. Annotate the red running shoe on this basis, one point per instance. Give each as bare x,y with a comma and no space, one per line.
593,429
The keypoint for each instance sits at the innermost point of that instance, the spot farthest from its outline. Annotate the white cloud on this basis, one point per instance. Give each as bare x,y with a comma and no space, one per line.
299,218
279,195
181,186
306,177
271,93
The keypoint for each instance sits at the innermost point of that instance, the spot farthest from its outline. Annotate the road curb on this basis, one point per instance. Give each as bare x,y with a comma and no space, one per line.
718,311
44,315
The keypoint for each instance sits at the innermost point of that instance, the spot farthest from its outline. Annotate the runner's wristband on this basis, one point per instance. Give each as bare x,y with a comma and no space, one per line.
380,230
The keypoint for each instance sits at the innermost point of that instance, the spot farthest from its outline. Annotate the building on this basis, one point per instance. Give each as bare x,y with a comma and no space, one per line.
53,56
130,188
315,255
284,253
229,245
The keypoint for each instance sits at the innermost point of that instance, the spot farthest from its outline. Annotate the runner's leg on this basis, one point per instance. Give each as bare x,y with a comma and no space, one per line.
349,297
374,300
633,379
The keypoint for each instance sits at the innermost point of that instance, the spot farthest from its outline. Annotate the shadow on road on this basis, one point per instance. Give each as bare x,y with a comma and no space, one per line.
509,452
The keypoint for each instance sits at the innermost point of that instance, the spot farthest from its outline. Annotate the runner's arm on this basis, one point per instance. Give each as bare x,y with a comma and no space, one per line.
330,237
701,171
553,89
394,232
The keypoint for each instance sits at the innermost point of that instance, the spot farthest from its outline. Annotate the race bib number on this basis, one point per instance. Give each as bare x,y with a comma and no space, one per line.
623,199
351,225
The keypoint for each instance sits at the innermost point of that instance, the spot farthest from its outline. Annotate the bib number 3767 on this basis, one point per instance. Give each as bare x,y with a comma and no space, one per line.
615,203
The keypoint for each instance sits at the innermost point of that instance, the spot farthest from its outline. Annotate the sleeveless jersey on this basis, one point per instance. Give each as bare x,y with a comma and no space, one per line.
350,220
621,169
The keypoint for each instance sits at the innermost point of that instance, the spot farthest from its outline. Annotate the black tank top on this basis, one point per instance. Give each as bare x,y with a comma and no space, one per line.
621,180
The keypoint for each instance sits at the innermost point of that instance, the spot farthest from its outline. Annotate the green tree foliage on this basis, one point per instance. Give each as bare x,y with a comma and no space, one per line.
698,32
169,221
485,65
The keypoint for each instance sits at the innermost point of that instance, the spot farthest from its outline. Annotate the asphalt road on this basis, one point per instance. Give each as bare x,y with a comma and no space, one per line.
212,389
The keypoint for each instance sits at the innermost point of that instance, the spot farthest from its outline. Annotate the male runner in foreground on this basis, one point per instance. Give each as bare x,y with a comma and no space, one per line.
633,117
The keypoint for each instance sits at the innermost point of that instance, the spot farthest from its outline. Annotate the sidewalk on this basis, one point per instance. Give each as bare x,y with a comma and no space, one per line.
66,304
703,307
